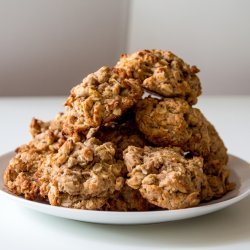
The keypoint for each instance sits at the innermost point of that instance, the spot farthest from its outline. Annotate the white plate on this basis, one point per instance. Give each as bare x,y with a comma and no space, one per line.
240,173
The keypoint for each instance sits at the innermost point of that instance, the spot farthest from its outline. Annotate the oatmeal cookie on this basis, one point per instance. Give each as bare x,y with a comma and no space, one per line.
163,73
173,122
28,171
20,176
85,174
165,177
101,98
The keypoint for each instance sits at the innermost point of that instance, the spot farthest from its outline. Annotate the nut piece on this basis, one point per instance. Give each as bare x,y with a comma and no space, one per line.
101,98
165,177
163,73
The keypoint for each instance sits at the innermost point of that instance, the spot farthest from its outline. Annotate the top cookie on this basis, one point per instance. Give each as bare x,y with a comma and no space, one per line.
100,98
163,73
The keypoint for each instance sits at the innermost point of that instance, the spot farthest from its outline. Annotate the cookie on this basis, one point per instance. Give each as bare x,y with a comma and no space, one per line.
84,172
162,72
101,98
28,171
165,177
173,122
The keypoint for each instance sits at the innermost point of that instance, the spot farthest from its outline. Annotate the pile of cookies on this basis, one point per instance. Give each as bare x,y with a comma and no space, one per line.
117,148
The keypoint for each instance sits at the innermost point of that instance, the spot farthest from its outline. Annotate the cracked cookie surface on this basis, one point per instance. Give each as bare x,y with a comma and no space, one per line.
101,98
28,171
165,177
173,122
162,72
84,175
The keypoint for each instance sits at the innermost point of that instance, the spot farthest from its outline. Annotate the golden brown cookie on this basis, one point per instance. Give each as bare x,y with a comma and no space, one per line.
173,122
101,98
20,176
163,73
82,172
28,171
165,177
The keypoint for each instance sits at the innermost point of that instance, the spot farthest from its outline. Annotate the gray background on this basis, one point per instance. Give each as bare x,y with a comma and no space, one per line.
47,46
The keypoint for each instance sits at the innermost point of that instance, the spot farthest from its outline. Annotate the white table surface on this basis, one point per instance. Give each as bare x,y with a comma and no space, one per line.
21,228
